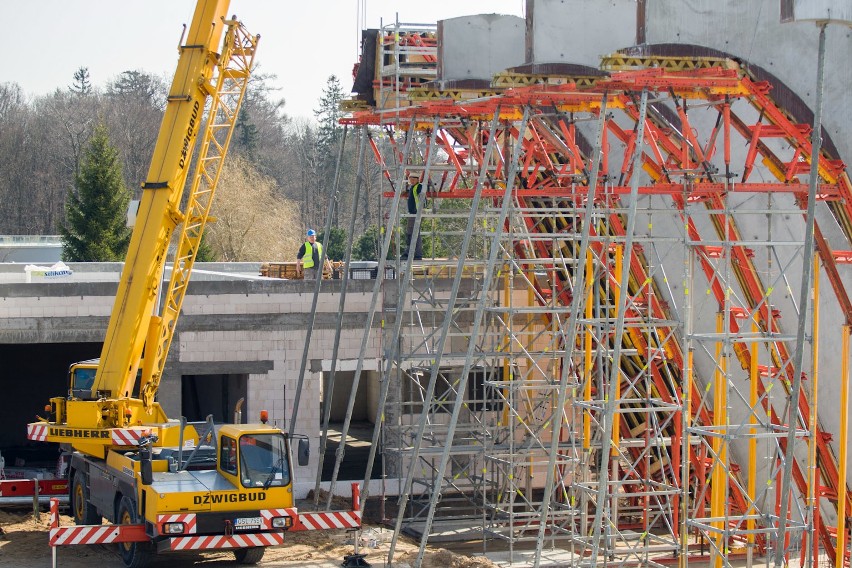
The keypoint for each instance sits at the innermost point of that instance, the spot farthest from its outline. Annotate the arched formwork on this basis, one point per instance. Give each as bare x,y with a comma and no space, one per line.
634,243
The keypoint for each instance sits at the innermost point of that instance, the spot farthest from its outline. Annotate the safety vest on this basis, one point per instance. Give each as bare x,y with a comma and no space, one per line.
414,198
308,259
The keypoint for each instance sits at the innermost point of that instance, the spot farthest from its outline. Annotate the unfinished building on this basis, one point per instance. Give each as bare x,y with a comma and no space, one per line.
628,339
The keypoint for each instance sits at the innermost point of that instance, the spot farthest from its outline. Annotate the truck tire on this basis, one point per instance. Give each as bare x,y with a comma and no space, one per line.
82,509
249,555
134,554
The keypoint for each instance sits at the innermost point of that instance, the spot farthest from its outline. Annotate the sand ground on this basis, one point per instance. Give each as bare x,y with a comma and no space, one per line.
24,544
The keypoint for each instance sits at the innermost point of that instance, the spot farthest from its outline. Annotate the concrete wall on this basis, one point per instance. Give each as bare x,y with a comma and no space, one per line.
801,10
578,31
477,47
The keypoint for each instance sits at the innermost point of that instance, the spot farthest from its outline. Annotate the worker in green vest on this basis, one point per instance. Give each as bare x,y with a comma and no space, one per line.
309,255
415,200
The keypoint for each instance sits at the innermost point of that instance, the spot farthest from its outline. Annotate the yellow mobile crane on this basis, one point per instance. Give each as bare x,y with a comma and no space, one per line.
130,463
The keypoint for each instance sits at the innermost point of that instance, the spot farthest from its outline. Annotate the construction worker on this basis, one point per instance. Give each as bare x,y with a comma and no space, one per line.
415,188
309,255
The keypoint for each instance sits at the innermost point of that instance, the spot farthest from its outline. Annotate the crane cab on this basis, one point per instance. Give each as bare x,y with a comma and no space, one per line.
81,379
250,457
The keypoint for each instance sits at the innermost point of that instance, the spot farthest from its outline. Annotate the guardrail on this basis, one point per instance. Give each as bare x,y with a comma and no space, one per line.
22,491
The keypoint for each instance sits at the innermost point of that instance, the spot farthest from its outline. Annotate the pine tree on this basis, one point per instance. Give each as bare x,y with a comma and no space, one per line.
205,251
137,85
368,245
328,115
329,134
247,135
337,239
96,210
82,84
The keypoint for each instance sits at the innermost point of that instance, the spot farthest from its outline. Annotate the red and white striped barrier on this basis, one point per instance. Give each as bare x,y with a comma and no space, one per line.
97,534
37,432
54,514
330,520
268,514
89,534
223,541
188,519
327,521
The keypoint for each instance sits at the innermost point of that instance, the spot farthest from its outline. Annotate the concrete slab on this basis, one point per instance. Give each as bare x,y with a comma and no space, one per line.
578,31
477,47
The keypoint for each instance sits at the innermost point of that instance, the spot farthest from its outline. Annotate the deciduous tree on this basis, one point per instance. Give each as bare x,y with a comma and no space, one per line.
253,222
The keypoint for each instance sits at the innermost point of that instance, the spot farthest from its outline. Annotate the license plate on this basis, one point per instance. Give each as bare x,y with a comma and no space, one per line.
247,523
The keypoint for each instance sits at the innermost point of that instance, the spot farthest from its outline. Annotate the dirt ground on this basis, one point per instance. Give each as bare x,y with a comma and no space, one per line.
23,544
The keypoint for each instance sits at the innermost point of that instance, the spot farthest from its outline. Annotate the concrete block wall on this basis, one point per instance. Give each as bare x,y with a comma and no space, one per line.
283,346
252,327
47,306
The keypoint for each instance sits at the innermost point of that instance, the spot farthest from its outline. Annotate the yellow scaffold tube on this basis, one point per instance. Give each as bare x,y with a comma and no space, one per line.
719,477
617,295
812,427
752,442
587,352
841,474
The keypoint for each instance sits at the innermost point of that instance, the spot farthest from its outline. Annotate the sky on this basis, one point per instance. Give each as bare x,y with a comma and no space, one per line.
302,41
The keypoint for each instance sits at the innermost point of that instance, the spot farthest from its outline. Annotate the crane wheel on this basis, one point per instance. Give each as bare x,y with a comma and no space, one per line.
134,554
249,555
82,509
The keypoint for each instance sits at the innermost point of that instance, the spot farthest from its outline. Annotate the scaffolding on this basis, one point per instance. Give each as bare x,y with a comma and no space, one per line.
592,361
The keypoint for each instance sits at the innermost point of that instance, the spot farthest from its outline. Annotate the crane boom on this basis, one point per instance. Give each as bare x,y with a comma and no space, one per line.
158,213
109,396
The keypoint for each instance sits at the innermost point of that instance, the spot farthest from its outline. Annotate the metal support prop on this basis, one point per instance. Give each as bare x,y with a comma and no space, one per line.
571,328
313,313
686,423
402,290
804,299
445,327
840,551
752,442
813,473
610,403
719,443
461,389
338,330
